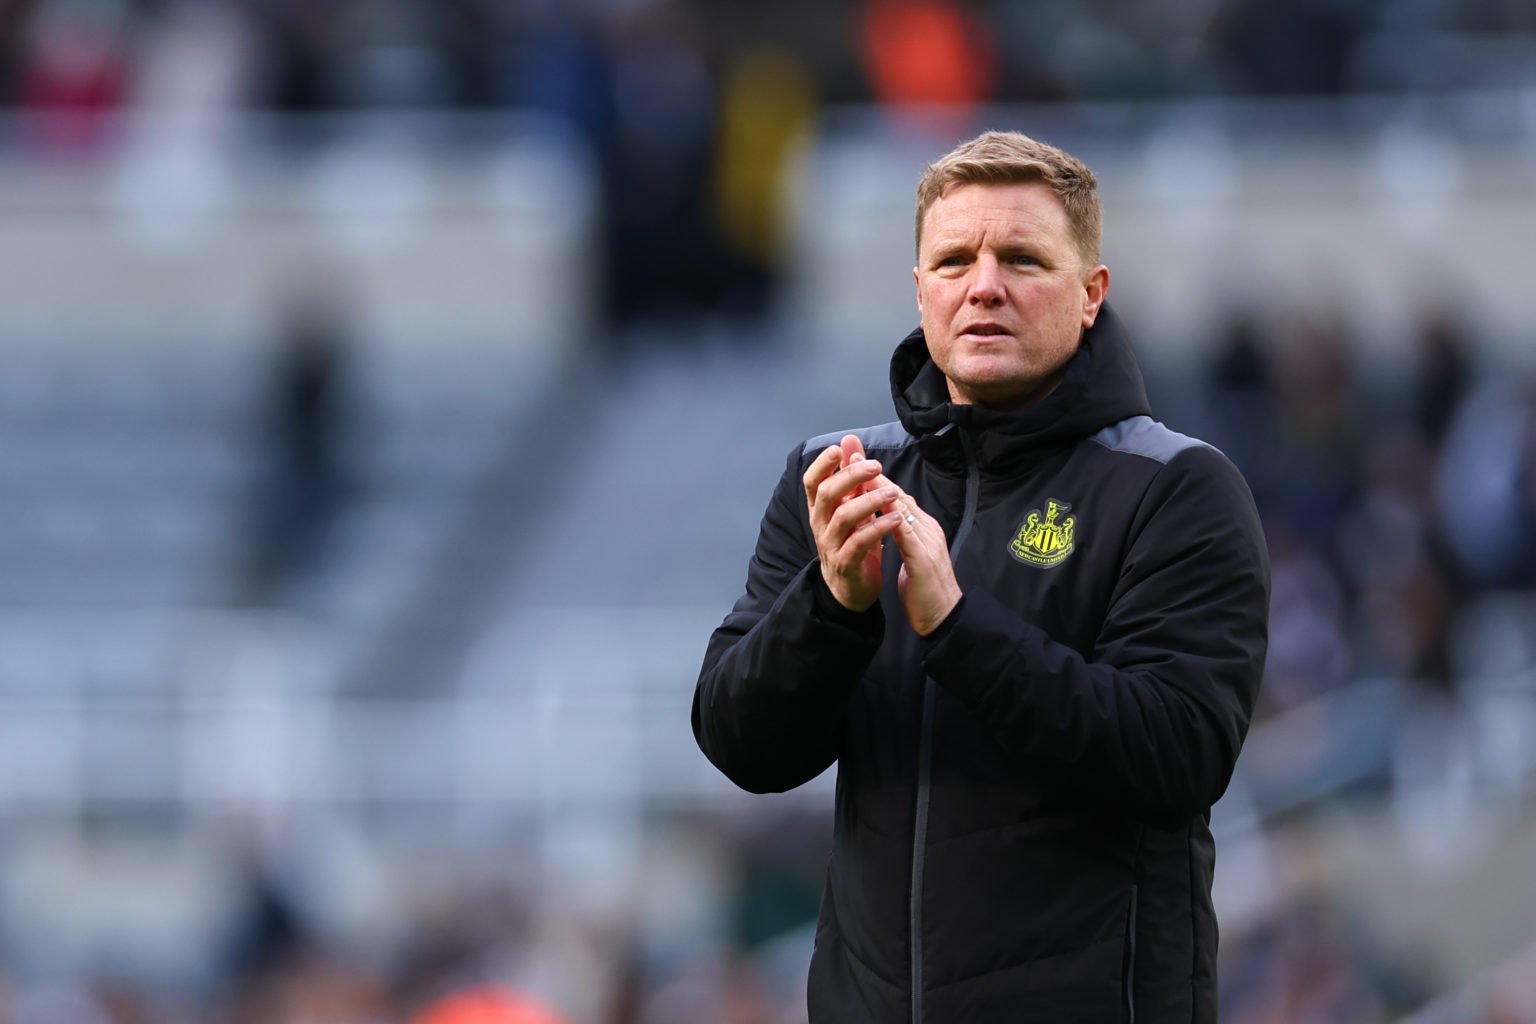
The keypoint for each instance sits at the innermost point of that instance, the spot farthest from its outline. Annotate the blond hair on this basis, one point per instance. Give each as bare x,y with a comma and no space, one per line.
1007,158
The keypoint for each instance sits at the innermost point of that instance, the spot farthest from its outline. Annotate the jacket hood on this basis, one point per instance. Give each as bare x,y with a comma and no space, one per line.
1102,385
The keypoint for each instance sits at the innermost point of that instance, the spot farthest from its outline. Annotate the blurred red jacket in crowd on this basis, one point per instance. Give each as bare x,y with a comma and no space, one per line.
487,1006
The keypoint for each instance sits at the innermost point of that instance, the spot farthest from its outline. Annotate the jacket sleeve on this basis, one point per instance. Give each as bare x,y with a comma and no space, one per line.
770,703
1153,720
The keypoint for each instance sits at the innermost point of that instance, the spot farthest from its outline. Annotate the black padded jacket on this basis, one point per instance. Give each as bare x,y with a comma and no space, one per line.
1023,799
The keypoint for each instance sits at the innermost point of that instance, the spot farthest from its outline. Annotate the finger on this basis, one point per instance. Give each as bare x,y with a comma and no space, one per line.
852,451
864,538
851,459
823,466
840,485
913,527
901,501
884,481
908,506
857,509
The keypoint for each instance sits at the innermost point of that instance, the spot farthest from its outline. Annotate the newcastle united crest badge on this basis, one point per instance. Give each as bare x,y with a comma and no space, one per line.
1045,538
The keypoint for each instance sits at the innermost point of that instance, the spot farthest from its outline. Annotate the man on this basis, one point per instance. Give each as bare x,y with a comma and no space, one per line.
1027,622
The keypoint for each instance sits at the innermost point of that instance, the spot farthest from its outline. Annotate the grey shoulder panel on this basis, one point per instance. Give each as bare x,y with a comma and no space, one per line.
1144,436
886,436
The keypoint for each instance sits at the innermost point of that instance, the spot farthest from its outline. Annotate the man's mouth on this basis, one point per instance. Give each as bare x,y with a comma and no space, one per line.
987,330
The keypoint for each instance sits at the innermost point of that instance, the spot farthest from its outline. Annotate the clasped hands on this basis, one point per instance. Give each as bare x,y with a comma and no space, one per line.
853,508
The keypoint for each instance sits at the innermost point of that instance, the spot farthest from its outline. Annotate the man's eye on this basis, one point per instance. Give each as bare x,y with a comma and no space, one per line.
952,261
1022,260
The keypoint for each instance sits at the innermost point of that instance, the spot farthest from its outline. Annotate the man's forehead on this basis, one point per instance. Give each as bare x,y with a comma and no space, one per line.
1033,195
1020,208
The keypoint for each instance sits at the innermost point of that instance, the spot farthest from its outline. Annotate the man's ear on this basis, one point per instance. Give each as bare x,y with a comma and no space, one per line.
1095,289
917,279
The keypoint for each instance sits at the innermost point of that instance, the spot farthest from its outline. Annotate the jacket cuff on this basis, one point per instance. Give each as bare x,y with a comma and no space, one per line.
971,638
943,630
829,609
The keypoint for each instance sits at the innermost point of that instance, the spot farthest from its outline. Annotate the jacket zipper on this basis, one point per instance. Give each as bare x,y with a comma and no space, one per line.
919,841
925,752
1130,961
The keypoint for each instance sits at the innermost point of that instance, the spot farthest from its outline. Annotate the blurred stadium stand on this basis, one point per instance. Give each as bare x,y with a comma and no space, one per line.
329,685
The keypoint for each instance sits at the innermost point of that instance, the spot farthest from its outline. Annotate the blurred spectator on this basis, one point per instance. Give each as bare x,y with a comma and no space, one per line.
195,65
269,932
74,72
663,252
1314,961
561,68
392,57
766,109
304,484
13,16
1030,39
1240,415
1309,649
1483,488
927,55
1319,444
299,43
1300,46
487,1006
316,987
727,989
1405,587
470,35
1442,374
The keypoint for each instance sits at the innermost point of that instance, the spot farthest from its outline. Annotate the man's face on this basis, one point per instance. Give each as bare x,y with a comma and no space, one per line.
1003,291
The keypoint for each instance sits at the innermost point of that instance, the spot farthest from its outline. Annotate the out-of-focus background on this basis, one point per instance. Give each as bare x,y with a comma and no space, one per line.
390,389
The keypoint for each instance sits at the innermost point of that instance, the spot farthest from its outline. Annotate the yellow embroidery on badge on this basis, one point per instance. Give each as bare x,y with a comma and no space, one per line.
1045,540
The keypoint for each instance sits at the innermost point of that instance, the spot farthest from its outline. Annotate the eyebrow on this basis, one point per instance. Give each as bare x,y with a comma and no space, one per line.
944,247
950,246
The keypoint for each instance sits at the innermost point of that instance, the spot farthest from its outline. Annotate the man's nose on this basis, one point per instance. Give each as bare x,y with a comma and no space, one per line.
987,284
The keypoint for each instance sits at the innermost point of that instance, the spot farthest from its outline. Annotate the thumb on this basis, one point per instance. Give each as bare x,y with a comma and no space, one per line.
853,449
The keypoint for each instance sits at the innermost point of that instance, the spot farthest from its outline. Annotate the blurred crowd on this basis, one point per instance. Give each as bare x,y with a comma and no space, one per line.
1393,496
94,55
1399,501
695,110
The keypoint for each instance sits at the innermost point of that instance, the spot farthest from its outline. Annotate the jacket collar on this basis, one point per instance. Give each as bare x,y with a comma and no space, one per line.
1102,385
